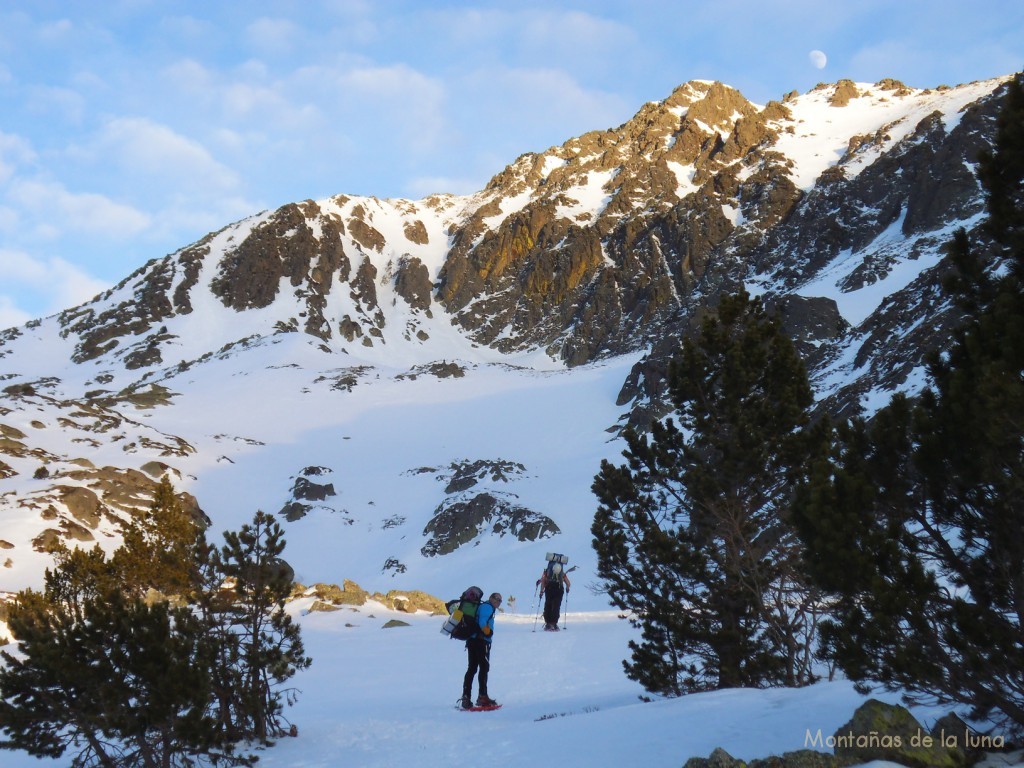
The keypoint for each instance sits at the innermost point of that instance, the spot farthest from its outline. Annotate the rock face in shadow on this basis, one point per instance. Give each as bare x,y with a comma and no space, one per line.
480,501
460,522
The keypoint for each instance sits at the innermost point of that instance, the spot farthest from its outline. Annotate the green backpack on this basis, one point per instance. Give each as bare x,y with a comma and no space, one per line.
461,623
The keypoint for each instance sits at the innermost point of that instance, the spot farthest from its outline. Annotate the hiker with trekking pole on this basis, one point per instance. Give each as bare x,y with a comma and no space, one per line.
553,583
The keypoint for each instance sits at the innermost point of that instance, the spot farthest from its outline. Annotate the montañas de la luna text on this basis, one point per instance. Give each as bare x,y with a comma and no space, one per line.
966,740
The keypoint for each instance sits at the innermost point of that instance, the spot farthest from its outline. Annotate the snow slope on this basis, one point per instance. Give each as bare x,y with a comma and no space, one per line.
385,436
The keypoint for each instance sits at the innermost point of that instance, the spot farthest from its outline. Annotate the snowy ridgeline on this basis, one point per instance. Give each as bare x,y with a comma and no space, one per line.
386,697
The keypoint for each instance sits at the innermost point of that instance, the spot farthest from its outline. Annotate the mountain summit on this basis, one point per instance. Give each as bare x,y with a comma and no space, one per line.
431,383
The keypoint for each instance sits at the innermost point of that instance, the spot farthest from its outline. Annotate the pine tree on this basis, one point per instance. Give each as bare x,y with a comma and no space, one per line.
159,549
79,576
261,641
125,684
915,518
120,682
692,533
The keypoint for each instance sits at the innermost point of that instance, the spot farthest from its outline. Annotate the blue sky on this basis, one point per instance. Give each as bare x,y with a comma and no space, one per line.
130,128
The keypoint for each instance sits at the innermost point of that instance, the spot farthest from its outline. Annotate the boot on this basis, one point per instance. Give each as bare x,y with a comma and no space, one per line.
485,701
467,702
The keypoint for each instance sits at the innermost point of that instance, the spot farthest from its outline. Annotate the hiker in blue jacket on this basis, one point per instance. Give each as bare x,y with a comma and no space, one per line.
479,648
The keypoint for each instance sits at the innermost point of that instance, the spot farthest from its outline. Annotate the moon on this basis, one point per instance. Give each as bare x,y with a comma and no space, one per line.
818,59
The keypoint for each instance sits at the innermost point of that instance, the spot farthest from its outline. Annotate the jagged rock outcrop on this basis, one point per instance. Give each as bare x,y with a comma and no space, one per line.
306,490
459,522
331,597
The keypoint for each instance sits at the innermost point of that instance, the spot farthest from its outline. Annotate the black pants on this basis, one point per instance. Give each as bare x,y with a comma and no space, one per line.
552,604
479,659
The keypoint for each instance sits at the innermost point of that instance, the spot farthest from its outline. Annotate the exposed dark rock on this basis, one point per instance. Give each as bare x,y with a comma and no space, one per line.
310,491
801,758
415,232
363,233
100,331
84,505
286,247
70,530
319,606
457,523
844,92
411,602
345,378
466,474
809,321
412,282
441,369
349,593
719,758
47,540
294,510
147,352
880,731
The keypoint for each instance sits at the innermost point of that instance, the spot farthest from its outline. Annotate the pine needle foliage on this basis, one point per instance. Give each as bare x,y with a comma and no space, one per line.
123,684
262,643
692,535
160,547
915,519
119,681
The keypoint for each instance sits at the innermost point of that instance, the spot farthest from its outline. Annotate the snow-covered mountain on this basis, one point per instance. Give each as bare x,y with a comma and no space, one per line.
423,390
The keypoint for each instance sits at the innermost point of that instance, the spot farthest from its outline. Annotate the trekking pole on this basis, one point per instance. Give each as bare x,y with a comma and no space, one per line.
536,605
565,615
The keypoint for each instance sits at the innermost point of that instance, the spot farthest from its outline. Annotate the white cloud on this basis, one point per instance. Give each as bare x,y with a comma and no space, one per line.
545,97
51,283
14,152
8,219
56,31
10,315
190,77
526,34
188,29
393,99
64,103
146,148
582,32
272,35
64,212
